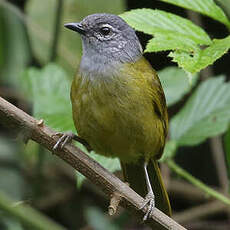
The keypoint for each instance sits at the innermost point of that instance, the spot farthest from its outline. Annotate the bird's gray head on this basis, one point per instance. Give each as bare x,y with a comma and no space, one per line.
107,38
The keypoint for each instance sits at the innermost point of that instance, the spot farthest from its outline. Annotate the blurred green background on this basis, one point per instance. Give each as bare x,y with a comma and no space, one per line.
38,59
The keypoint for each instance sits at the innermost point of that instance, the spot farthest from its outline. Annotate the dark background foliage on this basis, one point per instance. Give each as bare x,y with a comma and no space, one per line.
35,177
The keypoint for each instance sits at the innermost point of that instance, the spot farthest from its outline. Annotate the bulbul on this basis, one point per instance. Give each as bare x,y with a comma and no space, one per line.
118,104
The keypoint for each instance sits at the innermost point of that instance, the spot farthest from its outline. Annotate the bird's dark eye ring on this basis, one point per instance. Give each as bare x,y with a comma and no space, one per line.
105,30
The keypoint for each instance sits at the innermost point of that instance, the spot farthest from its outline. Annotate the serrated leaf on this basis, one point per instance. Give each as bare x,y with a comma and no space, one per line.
201,58
206,114
172,32
155,22
206,7
175,84
171,41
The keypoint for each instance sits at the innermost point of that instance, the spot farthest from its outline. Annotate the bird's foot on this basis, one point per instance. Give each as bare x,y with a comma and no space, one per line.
150,204
64,138
67,137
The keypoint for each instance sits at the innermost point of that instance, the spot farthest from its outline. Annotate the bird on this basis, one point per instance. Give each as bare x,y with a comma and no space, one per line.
118,105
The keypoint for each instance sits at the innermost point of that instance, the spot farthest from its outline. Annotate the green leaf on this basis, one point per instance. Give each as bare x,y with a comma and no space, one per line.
206,114
206,7
50,89
161,23
201,58
175,83
171,41
172,32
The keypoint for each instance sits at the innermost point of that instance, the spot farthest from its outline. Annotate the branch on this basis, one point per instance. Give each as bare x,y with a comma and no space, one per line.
108,182
183,189
201,211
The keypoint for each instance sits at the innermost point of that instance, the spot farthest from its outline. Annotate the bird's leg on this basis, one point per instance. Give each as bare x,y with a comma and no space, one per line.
68,137
149,198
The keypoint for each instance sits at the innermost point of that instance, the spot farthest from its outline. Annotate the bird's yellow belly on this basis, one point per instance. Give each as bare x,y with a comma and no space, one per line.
116,122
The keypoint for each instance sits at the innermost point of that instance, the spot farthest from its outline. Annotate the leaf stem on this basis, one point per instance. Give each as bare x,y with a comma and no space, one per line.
27,215
183,173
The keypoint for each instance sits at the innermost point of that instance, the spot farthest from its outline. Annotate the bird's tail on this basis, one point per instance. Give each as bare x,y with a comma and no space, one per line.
134,175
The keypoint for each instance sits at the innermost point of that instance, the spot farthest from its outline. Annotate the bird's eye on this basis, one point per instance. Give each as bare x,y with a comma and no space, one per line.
105,30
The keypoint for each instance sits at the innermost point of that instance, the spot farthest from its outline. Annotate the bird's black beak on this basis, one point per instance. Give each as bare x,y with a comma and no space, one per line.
75,27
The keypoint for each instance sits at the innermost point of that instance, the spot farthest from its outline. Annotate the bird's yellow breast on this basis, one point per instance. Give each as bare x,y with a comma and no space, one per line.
116,115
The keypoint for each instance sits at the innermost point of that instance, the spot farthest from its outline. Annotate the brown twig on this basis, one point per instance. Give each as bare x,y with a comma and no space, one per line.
108,182
201,211
208,225
218,155
184,190
114,203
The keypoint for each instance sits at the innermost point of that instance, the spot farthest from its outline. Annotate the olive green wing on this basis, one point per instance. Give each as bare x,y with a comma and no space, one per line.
143,67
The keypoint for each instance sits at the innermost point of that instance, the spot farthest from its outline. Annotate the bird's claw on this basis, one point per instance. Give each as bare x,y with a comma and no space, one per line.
150,203
63,140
